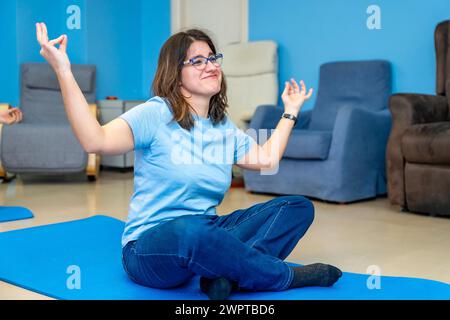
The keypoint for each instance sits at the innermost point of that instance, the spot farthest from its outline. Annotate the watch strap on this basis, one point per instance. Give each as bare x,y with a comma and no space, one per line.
290,116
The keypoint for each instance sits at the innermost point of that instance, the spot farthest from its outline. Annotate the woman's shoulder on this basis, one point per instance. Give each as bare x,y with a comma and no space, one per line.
154,103
227,122
154,106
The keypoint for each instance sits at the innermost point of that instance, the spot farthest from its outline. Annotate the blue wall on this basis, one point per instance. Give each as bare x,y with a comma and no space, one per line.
122,38
310,33
31,11
8,60
155,22
114,46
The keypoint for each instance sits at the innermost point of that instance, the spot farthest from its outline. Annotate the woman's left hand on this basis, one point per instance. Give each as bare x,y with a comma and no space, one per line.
293,97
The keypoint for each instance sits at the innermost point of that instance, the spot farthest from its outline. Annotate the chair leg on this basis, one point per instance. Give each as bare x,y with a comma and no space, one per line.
2,172
93,166
5,176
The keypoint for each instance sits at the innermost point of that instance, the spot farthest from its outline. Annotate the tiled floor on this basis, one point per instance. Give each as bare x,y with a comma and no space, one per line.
352,237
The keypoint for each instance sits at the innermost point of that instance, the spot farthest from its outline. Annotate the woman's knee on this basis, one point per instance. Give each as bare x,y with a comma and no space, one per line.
301,207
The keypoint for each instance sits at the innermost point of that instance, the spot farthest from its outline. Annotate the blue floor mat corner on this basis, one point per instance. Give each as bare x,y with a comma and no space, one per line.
14,213
42,259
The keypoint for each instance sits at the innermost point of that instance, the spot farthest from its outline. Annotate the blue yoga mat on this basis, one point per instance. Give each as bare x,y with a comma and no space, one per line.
14,213
82,260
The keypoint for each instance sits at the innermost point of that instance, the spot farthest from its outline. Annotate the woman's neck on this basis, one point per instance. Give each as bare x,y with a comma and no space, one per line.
200,104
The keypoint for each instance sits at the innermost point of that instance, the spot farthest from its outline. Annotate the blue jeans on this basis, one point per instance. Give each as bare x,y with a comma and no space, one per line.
247,246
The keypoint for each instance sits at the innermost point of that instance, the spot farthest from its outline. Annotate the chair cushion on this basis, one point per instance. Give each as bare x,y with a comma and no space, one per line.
247,93
251,58
362,84
42,76
427,143
308,144
41,149
251,72
40,96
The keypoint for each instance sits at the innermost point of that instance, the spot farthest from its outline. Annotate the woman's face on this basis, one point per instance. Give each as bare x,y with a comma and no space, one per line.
200,81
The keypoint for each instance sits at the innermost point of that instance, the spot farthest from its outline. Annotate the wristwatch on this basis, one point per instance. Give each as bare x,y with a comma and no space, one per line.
291,117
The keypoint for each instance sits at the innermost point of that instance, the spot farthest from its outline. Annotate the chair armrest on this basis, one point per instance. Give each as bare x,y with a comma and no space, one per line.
359,139
268,116
94,110
4,106
93,163
407,110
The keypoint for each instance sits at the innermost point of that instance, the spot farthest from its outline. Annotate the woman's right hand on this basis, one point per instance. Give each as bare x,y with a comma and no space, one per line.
57,58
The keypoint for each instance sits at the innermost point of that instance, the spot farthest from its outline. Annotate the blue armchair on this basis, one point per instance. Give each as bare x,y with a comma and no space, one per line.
336,151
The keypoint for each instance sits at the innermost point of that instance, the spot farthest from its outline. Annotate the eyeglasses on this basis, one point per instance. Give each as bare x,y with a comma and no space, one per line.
200,62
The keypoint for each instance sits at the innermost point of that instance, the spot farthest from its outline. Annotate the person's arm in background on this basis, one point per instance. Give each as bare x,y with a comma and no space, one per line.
10,116
269,155
115,137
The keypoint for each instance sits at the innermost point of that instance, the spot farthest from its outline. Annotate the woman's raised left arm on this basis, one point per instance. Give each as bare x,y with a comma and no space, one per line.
269,155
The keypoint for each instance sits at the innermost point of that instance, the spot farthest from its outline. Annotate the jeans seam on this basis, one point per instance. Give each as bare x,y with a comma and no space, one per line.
249,217
268,229
153,272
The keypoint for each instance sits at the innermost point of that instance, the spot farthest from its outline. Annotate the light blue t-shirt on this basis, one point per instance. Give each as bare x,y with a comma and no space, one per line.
178,172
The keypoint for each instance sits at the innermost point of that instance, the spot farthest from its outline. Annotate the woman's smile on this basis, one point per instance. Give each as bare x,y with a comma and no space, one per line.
213,76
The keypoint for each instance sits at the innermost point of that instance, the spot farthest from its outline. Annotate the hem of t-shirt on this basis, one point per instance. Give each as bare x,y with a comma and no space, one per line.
135,237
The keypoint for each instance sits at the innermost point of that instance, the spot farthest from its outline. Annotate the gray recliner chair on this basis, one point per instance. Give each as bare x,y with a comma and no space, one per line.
44,143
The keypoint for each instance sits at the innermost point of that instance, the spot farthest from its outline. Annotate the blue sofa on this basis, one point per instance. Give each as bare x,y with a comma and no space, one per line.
336,151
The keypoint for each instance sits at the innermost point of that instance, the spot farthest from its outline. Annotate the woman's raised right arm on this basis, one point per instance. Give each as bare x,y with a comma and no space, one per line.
115,137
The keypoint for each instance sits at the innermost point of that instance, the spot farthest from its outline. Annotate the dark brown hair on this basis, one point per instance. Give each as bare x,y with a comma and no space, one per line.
168,77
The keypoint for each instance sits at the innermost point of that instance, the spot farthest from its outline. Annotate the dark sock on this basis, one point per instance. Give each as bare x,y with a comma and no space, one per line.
317,274
218,288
